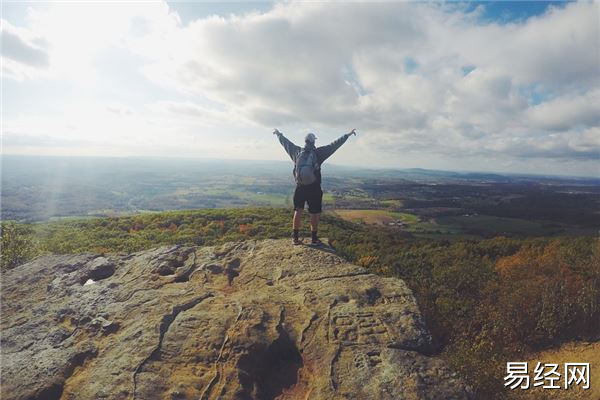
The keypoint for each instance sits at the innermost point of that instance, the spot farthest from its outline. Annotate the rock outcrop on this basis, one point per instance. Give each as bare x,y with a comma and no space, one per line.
252,320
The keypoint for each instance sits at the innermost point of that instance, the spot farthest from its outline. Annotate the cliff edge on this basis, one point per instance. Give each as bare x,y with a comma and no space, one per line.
251,320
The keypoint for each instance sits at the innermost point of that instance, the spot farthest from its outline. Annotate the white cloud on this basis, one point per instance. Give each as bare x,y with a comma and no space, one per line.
291,66
75,34
427,79
567,111
20,49
23,55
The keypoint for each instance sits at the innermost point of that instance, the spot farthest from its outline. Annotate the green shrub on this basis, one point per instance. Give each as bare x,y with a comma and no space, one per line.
17,247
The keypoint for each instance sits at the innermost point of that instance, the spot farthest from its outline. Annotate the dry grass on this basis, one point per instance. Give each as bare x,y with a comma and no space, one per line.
576,352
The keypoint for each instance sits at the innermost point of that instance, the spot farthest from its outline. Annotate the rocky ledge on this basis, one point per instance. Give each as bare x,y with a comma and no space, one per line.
251,320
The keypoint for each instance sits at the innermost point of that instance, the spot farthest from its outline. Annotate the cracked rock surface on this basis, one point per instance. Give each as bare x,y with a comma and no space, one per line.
251,320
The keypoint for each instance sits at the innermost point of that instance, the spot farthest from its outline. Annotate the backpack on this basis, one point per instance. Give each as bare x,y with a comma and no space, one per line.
306,167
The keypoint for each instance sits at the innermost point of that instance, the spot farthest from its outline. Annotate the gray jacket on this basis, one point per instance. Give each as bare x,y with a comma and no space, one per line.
323,152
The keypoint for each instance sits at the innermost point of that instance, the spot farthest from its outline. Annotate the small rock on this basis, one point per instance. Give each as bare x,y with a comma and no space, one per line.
100,323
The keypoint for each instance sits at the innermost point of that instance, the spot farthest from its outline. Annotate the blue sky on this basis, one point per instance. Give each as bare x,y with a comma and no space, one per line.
495,86
513,11
496,11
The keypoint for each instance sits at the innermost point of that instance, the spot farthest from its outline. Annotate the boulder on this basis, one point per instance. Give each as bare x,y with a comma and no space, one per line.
251,320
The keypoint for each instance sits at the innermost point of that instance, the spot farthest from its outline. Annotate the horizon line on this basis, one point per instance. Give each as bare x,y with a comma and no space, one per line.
355,167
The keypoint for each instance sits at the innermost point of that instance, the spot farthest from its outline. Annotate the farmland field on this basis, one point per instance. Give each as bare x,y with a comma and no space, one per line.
376,217
328,198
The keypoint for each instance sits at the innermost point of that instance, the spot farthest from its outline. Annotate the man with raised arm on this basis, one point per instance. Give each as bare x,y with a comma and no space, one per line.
307,173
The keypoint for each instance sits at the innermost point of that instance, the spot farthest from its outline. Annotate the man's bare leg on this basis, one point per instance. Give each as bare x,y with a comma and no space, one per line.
314,222
314,226
296,223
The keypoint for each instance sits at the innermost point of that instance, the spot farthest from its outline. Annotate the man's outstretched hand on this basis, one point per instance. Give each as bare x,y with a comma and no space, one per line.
352,132
276,132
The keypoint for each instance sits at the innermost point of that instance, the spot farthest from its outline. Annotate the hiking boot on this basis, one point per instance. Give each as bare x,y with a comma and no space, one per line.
296,242
317,243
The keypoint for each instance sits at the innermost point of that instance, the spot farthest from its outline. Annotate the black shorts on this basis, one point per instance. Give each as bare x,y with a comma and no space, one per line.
311,194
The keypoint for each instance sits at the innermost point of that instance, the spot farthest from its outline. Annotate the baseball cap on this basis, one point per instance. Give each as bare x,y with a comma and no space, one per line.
310,137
